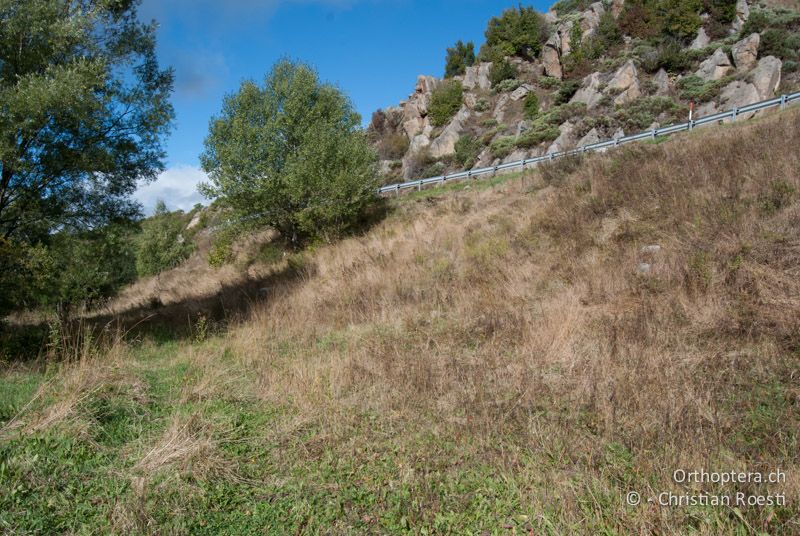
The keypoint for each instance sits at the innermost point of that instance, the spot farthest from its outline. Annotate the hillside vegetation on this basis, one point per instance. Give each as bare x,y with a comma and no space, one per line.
508,357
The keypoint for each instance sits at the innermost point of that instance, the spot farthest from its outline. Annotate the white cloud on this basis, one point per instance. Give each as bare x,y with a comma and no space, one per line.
177,187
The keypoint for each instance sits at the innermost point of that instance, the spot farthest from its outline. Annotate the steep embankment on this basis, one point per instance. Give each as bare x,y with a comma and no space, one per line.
519,356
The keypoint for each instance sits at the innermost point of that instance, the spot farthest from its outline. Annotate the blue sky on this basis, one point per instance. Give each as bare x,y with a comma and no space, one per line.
372,49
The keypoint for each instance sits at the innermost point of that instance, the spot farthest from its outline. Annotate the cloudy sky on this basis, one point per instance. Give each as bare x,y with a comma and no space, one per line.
372,49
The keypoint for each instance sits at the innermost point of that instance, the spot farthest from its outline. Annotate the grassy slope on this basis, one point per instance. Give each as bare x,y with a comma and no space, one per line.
484,360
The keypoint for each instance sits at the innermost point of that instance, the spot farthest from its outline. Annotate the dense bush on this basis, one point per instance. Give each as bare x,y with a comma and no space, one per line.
162,243
545,127
680,18
641,113
567,6
458,58
694,87
640,19
446,100
567,90
721,15
468,148
519,31
670,55
502,147
531,105
507,85
290,154
501,69
780,42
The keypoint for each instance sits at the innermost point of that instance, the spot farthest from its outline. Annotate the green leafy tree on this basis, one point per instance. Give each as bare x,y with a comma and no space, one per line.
531,105
162,244
458,58
85,106
291,154
519,31
84,110
680,18
446,100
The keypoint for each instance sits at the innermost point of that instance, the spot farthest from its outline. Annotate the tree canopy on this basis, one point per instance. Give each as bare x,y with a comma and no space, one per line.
458,58
291,154
83,110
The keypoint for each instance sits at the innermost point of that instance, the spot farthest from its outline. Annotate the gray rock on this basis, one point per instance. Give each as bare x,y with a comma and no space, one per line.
521,92
738,94
591,137
651,249
590,19
742,14
701,41
616,7
745,52
626,80
565,140
661,80
589,93
501,107
445,144
717,66
477,76
523,126
551,61
767,76
644,267
618,134
518,154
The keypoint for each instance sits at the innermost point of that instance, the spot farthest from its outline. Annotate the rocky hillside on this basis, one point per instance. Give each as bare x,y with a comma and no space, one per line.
599,71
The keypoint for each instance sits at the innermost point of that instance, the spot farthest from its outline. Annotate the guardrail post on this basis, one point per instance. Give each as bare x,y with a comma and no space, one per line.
783,102
653,134
616,142
419,186
550,156
494,171
469,175
735,113
691,124
396,190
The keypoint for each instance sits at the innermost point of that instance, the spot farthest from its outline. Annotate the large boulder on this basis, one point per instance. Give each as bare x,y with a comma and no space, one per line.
745,52
701,41
662,82
565,140
562,38
415,110
589,93
477,77
738,94
626,82
742,14
591,137
717,66
551,61
445,143
501,107
521,92
766,77
590,19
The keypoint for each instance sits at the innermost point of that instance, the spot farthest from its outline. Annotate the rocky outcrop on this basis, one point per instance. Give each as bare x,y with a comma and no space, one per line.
565,140
701,41
551,61
766,77
521,92
591,137
738,94
415,110
626,82
745,52
477,77
501,106
742,14
717,66
589,93
445,143
590,19
662,82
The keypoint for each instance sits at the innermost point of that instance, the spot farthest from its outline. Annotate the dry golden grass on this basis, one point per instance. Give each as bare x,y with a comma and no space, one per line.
531,312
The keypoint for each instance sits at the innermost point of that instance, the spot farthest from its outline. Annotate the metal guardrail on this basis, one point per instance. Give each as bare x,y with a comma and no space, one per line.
781,101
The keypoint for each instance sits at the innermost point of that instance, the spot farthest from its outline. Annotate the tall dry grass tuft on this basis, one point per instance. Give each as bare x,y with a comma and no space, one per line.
91,372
